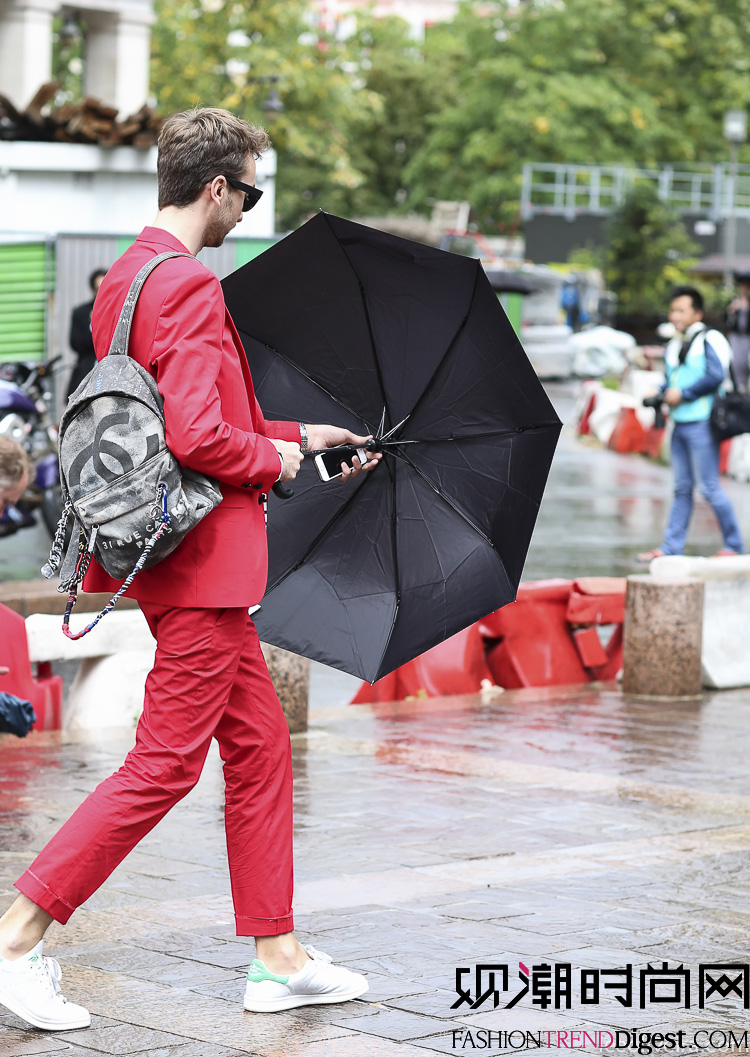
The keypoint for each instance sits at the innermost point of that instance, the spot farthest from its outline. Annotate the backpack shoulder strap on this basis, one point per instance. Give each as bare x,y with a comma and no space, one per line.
121,336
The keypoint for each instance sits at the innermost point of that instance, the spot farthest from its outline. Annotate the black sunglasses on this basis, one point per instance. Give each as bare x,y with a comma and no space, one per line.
253,195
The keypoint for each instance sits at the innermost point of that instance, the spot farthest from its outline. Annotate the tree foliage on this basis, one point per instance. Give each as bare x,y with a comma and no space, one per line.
648,253
616,81
232,55
380,122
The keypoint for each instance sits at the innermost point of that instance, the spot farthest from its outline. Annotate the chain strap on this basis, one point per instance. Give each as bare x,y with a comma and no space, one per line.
58,543
159,509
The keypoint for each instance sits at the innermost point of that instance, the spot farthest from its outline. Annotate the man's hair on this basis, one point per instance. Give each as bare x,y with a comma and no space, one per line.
98,273
689,291
199,145
14,462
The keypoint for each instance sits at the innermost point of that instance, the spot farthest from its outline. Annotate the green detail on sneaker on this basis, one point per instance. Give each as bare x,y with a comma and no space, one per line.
257,973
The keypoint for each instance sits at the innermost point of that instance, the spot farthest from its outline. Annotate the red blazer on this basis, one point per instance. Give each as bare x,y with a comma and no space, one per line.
183,335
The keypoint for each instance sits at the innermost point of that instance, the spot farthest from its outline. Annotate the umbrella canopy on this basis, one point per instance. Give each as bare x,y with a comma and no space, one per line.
345,324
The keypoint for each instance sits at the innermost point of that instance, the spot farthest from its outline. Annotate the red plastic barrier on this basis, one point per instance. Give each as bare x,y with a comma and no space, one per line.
547,637
46,691
456,666
584,427
628,436
597,600
653,442
529,641
724,449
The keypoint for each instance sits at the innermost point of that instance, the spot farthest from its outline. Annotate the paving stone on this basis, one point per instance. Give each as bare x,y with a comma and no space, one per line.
191,1049
225,955
397,1025
346,1046
431,1004
122,1039
384,988
17,1043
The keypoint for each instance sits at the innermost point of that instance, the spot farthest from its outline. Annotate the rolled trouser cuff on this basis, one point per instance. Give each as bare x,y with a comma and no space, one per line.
264,926
38,892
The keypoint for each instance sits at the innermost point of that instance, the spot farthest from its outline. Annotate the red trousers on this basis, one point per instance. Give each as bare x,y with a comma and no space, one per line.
209,680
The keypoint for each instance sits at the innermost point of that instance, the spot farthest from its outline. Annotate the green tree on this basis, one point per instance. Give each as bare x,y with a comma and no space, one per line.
616,81
404,87
223,53
649,251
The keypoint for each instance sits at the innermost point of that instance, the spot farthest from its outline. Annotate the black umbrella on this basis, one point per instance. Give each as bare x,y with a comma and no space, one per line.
345,324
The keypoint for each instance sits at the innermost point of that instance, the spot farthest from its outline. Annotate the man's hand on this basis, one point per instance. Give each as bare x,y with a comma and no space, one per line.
673,397
292,455
324,436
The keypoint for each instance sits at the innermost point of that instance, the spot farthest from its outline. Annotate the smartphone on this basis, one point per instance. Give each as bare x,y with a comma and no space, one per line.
328,463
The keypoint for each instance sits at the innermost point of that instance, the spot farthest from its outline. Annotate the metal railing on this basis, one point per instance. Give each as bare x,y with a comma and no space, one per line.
572,190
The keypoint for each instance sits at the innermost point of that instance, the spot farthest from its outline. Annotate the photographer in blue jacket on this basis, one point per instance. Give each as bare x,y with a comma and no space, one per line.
695,364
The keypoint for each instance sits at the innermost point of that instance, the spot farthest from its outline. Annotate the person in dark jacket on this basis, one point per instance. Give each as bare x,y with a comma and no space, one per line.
738,331
80,339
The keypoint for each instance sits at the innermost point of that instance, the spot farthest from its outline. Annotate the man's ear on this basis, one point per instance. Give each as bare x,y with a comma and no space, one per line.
217,189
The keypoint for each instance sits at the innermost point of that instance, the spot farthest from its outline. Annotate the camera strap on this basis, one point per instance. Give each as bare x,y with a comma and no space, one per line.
687,345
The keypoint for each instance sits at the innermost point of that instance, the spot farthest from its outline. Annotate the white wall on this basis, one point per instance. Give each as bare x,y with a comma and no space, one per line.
47,188
116,49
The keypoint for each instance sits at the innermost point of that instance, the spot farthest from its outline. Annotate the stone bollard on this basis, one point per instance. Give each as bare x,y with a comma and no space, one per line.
291,677
663,637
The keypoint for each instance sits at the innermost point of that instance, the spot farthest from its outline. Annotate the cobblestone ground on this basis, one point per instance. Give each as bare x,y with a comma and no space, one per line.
540,828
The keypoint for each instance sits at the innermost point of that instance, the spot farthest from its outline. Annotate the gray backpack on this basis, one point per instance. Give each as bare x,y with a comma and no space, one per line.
130,501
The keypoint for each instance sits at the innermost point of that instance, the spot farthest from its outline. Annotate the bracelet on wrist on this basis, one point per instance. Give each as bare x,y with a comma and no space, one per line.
304,442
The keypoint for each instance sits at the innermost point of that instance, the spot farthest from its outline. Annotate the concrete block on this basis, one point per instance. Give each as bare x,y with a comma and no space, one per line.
663,637
726,613
291,677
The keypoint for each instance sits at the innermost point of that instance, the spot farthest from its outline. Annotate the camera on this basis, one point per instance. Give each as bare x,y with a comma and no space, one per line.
656,403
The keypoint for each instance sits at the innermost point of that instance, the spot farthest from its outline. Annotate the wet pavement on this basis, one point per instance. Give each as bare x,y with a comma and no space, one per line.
573,827
534,830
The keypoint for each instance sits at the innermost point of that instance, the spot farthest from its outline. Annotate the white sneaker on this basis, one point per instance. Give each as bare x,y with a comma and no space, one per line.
317,983
30,988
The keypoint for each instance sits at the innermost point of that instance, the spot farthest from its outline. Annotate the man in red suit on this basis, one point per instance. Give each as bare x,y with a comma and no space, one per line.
209,678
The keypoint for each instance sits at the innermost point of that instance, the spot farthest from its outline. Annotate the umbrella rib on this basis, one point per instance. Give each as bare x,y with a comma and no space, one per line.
323,531
322,388
397,575
367,314
450,502
469,436
448,351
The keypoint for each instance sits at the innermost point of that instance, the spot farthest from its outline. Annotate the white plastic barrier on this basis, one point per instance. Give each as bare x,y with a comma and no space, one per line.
739,458
599,351
587,389
638,384
725,654
607,408
115,659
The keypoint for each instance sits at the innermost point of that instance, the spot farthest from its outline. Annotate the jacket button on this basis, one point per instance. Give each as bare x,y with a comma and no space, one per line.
245,484
257,487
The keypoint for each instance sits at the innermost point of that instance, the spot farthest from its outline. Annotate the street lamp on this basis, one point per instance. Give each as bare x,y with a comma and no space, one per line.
735,131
